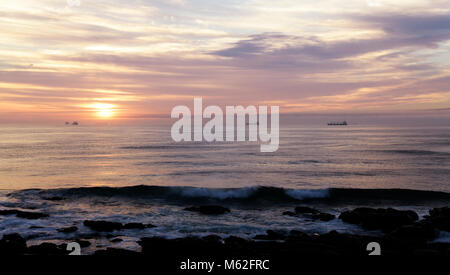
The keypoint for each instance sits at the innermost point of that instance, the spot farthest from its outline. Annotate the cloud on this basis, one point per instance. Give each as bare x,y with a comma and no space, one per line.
399,32
146,56
434,27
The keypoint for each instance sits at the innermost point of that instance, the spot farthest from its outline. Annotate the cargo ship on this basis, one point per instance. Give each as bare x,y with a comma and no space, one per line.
342,123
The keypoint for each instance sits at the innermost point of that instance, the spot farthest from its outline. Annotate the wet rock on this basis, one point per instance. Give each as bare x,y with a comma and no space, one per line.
270,235
342,243
440,218
424,252
46,249
55,198
350,244
311,213
116,240
83,243
70,229
418,232
234,240
323,217
296,235
116,252
103,226
212,238
297,244
443,248
134,225
31,215
189,246
209,209
380,218
149,244
12,244
23,214
107,226
306,210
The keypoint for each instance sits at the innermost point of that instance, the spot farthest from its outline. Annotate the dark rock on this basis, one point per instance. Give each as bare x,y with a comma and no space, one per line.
8,212
296,245
346,244
149,244
440,218
53,198
189,246
305,210
103,226
270,235
47,249
31,215
417,232
237,241
212,238
443,248
83,243
208,209
134,225
384,219
12,244
116,240
70,229
425,252
296,235
440,212
323,217
116,252
311,213
23,214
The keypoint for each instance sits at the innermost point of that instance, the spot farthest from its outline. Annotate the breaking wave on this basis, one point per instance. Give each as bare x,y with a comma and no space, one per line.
245,195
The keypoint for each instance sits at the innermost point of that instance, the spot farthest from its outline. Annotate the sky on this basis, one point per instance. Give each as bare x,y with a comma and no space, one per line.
130,60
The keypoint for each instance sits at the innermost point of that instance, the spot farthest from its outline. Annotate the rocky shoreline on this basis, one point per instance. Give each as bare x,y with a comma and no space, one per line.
402,234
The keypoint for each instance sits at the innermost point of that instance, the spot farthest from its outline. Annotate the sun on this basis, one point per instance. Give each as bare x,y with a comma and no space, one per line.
103,110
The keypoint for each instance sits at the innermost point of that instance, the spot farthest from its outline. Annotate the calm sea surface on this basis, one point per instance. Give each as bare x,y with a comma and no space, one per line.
308,158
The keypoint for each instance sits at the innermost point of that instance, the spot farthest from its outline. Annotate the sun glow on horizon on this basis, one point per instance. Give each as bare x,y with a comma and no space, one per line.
103,110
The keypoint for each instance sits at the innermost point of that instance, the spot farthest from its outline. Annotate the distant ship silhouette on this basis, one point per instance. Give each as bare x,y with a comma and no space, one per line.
75,123
343,123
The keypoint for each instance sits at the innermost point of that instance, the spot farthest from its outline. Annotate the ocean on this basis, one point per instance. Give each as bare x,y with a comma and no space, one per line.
138,174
